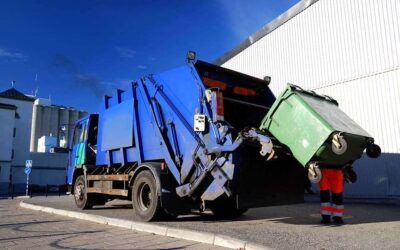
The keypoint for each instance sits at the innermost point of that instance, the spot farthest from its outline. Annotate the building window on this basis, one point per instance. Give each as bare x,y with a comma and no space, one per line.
14,132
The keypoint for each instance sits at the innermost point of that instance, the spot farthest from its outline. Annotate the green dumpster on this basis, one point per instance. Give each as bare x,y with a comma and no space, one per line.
315,130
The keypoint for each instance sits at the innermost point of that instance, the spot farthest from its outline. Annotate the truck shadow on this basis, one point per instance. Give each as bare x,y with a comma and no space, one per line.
357,212
378,178
304,214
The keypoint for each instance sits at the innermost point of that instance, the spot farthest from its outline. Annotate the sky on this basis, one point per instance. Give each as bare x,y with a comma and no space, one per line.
75,52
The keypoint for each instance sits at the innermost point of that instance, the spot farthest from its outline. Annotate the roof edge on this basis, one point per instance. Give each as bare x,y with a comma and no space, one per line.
18,99
271,26
7,106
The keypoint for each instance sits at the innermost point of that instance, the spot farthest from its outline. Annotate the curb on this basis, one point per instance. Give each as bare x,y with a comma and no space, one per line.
185,234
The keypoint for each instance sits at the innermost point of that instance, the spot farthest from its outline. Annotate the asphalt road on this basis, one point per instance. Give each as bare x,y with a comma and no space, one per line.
368,226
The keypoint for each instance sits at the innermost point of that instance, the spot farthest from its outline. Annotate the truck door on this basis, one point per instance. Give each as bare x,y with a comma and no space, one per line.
80,138
78,145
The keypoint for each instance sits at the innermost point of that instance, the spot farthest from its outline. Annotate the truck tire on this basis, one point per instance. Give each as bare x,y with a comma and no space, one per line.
84,200
145,201
226,209
80,195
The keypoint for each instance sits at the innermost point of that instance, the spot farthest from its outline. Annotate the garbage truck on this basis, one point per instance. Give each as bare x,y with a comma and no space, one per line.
181,141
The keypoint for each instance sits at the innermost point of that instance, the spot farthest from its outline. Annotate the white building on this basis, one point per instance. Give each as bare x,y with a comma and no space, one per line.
18,115
47,119
347,49
22,132
45,143
7,118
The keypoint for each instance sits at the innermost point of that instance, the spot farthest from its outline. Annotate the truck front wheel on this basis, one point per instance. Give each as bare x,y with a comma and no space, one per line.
145,201
83,200
80,195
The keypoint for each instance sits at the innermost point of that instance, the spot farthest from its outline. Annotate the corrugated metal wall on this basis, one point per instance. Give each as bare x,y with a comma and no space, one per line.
350,50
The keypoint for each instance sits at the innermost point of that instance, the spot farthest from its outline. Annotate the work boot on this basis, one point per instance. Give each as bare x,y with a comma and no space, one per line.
338,220
326,219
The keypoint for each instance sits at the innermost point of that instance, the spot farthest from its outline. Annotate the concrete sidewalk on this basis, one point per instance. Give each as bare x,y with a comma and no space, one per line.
22,228
185,234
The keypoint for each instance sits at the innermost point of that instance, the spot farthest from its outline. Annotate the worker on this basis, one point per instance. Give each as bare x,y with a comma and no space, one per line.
332,181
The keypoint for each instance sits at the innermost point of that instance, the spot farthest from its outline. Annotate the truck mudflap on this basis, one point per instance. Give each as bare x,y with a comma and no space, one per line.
219,171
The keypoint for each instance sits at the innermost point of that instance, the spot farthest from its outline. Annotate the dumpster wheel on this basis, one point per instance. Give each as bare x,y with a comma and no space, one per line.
314,173
339,144
373,150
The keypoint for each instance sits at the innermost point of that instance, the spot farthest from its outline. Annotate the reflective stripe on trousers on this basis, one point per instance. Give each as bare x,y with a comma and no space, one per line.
337,210
326,208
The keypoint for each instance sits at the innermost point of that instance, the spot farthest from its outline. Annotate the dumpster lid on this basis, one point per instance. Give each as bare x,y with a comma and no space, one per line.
328,108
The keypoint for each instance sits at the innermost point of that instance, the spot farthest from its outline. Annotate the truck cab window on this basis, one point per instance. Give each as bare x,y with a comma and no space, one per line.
77,133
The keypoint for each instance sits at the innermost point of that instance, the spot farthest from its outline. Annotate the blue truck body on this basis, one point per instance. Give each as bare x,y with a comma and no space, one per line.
193,128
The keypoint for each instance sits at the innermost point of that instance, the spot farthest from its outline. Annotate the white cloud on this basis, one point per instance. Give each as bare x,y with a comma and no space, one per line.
125,52
12,55
141,67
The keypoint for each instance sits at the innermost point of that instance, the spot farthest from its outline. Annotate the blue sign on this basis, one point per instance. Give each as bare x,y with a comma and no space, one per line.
28,171
28,163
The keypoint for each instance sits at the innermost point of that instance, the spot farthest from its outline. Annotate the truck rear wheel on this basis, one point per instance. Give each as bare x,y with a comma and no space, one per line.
145,201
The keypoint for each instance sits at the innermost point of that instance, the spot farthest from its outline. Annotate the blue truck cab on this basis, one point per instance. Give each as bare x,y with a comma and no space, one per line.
181,140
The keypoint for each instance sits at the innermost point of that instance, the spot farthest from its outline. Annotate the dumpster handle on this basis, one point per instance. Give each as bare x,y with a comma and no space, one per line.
296,87
293,86
327,97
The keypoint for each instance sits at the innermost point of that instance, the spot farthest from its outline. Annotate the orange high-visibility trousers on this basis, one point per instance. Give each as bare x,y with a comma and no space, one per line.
332,180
